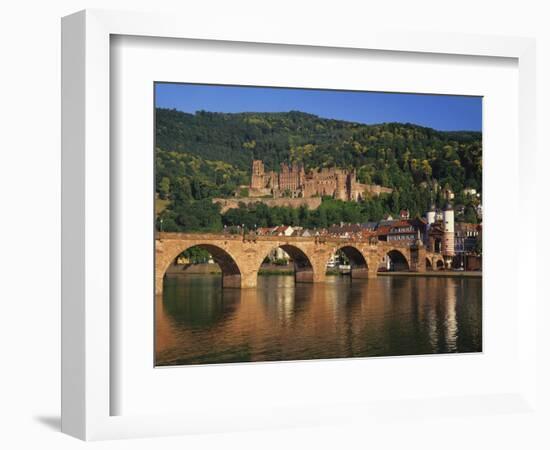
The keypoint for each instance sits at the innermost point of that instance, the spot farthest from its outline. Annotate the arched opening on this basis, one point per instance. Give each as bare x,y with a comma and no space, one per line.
286,259
206,259
394,261
351,261
440,264
437,245
428,264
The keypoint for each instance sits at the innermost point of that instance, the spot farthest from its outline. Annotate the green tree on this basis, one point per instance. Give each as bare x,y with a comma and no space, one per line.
164,188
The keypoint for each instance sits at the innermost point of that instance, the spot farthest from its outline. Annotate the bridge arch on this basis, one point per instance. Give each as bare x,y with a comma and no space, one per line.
428,264
436,261
358,262
231,272
305,267
397,260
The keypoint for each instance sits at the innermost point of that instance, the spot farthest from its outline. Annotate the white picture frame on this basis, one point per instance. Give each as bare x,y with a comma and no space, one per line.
87,386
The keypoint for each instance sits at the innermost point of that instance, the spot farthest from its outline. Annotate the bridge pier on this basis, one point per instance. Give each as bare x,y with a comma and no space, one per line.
159,282
231,281
417,259
304,276
247,280
309,276
362,273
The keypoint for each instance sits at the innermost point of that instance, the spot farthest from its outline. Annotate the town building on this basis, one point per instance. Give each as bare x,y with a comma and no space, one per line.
466,237
402,230
283,230
370,226
467,241
459,243
347,231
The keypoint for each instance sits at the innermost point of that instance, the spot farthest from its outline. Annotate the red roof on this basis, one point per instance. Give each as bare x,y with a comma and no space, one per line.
401,224
282,228
383,230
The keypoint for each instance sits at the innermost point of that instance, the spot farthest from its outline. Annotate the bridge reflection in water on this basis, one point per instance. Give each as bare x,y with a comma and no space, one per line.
199,322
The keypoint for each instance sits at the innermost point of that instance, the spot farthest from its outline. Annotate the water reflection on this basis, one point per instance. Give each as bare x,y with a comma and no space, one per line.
198,322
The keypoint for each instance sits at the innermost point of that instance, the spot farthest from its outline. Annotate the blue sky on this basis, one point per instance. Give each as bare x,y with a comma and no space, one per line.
442,112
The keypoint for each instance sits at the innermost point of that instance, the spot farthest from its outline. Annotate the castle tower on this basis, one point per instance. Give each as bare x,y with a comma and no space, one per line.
258,175
302,177
351,193
295,177
341,182
284,177
448,244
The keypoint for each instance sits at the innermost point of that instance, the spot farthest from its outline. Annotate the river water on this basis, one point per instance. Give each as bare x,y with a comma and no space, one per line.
198,322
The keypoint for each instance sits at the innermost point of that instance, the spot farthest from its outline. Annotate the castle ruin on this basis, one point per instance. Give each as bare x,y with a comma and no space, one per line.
293,181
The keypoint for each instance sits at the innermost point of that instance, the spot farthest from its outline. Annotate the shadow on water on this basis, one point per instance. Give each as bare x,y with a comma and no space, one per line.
199,302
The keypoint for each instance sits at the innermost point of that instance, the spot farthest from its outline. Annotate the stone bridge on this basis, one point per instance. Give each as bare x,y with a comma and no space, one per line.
240,256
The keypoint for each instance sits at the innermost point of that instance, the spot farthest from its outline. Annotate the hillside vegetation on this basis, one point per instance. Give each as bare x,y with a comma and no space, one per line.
205,155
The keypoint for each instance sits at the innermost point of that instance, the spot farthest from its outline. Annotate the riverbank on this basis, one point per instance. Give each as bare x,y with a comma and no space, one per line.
210,269
273,269
439,273
192,269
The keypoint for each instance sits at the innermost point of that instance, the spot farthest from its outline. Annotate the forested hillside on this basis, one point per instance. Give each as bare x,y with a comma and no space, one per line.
205,155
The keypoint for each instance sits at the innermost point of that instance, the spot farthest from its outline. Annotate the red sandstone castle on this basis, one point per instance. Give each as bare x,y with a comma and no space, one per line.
293,181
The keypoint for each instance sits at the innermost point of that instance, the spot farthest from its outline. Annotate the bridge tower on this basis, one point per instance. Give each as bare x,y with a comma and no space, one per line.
448,244
430,215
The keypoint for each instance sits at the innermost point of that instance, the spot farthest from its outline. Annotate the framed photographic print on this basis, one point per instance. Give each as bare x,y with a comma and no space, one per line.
262,230
311,224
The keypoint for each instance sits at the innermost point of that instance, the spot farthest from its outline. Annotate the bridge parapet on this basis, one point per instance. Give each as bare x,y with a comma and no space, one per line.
251,237
168,235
